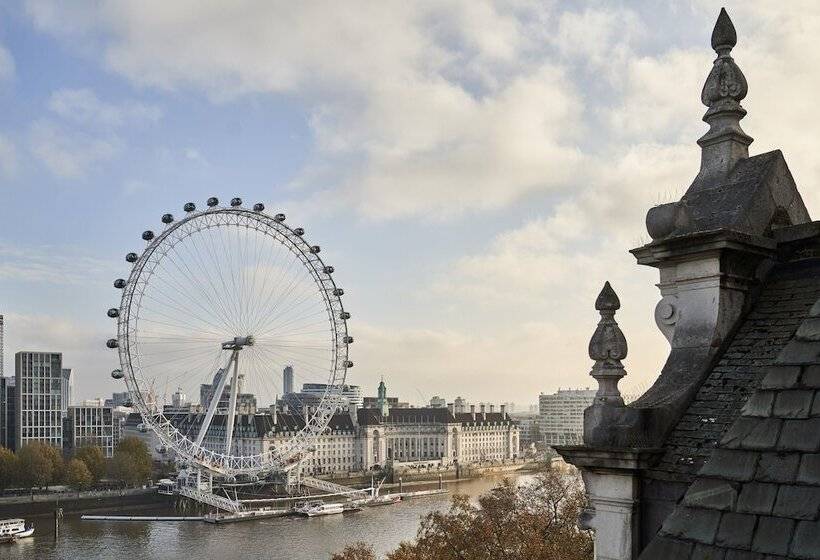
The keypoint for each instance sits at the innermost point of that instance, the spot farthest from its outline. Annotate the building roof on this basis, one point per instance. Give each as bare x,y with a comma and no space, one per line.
784,302
428,415
759,490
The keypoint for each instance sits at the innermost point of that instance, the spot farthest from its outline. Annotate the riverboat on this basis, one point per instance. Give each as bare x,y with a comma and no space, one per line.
317,508
13,529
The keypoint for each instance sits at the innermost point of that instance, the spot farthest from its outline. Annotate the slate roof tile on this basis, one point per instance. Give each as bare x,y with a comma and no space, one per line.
806,540
811,377
809,472
797,502
736,530
711,493
773,535
731,464
777,467
699,525
667,549
793,404
759,404
763,435
742,555
800,435
780,377
706,552
757,497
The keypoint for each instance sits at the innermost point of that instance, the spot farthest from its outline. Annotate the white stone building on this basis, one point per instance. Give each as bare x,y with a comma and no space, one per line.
561,416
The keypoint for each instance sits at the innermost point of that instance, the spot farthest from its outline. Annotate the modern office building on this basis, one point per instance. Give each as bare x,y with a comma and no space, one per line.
68,385
39,399
245,402
287,380
9,413
351,394
561,416
90,425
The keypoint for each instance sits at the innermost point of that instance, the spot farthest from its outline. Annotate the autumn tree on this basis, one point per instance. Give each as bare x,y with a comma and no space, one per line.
355,551
94,460
77,475
535,520
9,468
36,466
132,461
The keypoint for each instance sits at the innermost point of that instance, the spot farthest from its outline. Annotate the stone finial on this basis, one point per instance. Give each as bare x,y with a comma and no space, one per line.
725,143
608,347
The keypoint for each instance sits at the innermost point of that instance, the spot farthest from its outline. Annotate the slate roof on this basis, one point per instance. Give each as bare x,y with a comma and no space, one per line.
758,494
428,415
782,305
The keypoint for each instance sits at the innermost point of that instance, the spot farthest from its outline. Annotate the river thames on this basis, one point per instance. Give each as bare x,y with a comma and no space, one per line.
286,538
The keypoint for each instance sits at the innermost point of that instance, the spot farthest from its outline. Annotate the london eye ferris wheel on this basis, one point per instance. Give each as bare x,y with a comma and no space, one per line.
216,305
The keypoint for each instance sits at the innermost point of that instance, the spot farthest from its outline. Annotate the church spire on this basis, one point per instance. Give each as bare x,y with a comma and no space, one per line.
725,143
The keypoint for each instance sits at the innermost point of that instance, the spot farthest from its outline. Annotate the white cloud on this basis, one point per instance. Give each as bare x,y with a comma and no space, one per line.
67,153
83,106
50,265
8,157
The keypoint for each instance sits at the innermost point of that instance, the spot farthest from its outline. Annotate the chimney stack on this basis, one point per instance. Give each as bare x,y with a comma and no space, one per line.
472,411
492,408
503,412
483,413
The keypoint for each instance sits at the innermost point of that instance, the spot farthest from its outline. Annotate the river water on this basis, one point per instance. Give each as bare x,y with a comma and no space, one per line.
286,538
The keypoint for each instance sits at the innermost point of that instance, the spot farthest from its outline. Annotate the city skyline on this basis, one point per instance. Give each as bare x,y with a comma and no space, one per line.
111,123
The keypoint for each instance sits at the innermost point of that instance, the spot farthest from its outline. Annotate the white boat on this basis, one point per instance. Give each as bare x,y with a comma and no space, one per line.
13,529
315,509
385,500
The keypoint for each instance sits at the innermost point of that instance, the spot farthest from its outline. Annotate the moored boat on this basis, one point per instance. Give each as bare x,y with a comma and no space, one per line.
13,529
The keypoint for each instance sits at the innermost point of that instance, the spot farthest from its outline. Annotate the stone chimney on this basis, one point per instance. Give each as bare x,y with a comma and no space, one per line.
472,411
483,413
504,412
492,408
452,408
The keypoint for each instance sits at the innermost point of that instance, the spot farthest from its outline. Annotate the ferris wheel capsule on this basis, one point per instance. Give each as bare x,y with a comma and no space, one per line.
299,231
348,364
117,374
344,315
236,201
131,257
315,249
328,269
113,313
338,292
348,340
148,235
258,207
111,343
119,283
189,207
213,201
167,218
279,217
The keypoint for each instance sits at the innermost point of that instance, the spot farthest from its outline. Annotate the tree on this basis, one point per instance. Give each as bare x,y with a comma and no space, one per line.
77,475
536,520
36,465
55,456
132,461
94,460
9,468
355,551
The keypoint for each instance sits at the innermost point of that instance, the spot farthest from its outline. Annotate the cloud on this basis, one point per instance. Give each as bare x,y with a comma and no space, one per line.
8,157
50,265
83,106
69,154
420,109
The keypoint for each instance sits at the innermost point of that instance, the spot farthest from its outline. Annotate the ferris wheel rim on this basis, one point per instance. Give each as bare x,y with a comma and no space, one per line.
293,240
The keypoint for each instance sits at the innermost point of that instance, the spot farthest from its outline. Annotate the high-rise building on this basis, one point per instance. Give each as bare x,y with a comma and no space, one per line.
2,346
179,400
438,402
90,425
9,417
39,382
287,380
562,416
68,385
245,402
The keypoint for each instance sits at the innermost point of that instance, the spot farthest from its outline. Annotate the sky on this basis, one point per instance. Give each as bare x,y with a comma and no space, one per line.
473,170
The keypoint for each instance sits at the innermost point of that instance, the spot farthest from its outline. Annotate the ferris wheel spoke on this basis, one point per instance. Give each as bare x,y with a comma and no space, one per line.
271,267
171,317
268,298
215,301
286,319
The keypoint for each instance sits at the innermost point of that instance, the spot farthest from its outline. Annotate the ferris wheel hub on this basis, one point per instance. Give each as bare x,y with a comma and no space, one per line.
238,343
